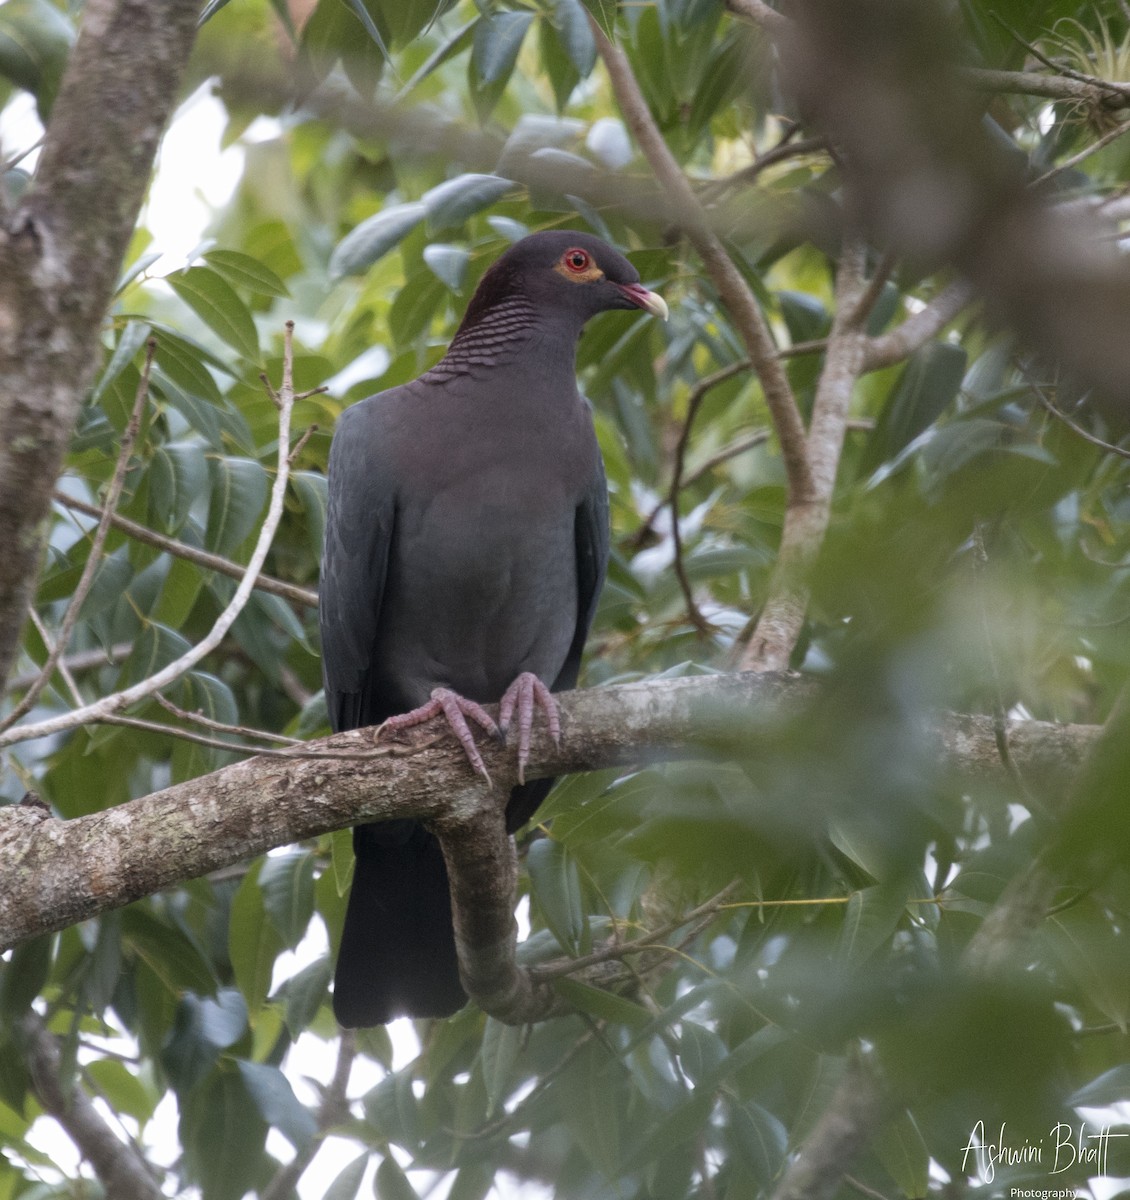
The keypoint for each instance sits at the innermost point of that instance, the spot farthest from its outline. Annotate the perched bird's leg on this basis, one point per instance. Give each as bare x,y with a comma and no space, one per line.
524,693
456,709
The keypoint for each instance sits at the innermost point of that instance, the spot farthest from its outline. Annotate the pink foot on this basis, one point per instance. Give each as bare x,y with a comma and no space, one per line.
526,692
456,709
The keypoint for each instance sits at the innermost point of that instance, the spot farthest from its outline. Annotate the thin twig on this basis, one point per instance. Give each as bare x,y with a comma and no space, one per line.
82,660
200,739
1043,398
114,703
1060,68
94,557
1085,153
647,941
198,718
783,151
202,558
701,390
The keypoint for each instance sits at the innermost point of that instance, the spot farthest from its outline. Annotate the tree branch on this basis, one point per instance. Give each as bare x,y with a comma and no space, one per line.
919,328
60,251
60,872
732,288
122,1172
779,626
293,592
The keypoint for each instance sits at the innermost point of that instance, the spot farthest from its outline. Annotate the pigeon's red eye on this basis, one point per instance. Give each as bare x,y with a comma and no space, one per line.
576,260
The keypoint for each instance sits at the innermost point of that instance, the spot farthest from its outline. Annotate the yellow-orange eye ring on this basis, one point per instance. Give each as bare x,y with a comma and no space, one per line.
576,260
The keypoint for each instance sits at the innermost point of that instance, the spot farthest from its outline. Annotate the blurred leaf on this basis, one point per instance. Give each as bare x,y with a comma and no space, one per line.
604,1005
374,238
499,1050
557,889
604,13
391,1183
759,1138
452,202
276,1102
448,263
253,942
497,40
905,1155
287,883
926,387
347,1182
35,39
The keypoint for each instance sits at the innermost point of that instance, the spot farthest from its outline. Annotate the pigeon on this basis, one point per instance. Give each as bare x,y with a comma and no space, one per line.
465,547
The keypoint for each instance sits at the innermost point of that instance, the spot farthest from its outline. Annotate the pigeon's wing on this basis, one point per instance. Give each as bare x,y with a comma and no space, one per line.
591,542
360,521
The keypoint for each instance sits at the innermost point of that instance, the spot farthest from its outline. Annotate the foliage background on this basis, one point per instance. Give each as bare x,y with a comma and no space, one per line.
976,560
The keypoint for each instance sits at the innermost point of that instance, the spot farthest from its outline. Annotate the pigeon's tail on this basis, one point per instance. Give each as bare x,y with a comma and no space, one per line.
397,955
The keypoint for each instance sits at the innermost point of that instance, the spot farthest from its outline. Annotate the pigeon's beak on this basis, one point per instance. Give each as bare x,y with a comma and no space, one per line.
653,302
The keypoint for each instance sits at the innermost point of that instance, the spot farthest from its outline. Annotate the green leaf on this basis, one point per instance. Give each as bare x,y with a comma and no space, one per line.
132,339
277,1104
758,1138
572,24
448,263
393,1110
701,1052
35,40
414,307
374,238
1111,1087
904,1153
348,1181
473,1182
556,887
202,1028
341,855
872,916
605,1006
223,1137
452,202
124,1090
604,13
391,1183
22,977
406,19
241,270
178,477
310,488
216,303
287,881
927,386
497,41
455,44
253,942
239,495
497,1055
357,7
304,994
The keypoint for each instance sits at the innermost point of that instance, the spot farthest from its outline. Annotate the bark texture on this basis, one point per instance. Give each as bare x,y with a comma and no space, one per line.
60,872
60,252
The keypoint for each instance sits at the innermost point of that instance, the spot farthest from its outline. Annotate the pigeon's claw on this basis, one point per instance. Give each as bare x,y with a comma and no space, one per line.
456,710
523,695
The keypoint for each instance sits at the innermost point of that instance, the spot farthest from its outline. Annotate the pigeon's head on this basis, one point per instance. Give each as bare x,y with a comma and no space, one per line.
567,273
